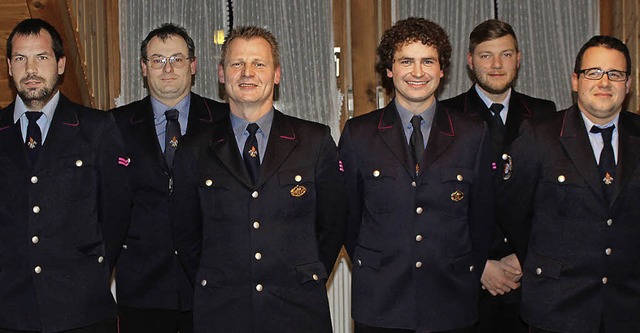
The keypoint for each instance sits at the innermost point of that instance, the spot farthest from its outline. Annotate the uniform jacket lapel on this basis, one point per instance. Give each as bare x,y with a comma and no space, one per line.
63,131
223,145
575,141
282,141
11,140
391,131
442,133
628,136
518,112
144,128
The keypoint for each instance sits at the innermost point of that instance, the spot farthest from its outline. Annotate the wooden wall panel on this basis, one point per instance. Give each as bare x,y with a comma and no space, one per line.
11,13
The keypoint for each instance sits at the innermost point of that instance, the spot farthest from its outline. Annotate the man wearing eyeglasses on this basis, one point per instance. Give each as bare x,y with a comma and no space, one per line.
153,292
569,203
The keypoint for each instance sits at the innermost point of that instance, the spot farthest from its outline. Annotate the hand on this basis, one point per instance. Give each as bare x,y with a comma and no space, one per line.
495,279
515,273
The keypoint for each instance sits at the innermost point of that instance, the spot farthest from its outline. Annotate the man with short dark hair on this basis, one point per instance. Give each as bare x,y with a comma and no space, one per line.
420,193
569,203
494,60
65,199
153,291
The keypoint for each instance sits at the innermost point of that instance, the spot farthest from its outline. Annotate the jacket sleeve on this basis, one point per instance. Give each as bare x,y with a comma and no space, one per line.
114,190
331,203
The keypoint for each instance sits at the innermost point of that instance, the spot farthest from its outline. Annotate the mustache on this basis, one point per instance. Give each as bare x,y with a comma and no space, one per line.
31,77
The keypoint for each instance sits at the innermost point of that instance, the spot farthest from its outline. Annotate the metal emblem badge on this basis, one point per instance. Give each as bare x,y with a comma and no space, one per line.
253,152
507,168
298,191
32,143
607,180
457,196
174,142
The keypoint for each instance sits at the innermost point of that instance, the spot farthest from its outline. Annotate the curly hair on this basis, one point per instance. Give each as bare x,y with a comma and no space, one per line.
412,29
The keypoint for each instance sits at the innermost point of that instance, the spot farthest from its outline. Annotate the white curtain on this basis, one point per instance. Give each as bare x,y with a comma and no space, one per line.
550,33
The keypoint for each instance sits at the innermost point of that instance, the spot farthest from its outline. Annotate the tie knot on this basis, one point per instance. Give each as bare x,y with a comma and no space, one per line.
607,132
252,128
171,114
496,108
33,116
416,121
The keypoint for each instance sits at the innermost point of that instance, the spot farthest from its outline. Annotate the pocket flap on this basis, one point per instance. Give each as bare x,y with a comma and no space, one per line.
366,257
539,265
314,271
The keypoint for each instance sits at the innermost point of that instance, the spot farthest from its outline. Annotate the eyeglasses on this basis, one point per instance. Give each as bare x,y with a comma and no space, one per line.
597,74
177,61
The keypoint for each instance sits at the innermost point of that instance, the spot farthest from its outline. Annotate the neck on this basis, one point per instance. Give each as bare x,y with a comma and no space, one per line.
250,113
496,98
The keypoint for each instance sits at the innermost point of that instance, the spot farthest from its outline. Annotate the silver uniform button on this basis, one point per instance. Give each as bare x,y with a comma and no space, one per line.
256,225
124,246
208,182
459,178
34,180
561,179
413,183
419,210
35,239
359,262
471,268
100,259
608,251
203,283
315,277
298,178
376,173
36,209
505,240
258,255
37,269
609,222
538,271
605,280
254,194
418,238
79,163
175,252
259,287
418,264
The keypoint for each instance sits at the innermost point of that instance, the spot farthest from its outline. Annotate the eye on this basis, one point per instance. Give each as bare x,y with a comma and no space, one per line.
405,62
259,65
177,60
18,58
429,61
507,54
484,56
43,57
158,61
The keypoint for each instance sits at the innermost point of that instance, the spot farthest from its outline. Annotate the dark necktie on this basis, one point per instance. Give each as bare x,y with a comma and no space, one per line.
171,136
33,142
416,142
496,108
250,153
607,165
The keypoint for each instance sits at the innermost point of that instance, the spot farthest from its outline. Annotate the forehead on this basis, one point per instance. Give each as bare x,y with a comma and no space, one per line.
415,50
35,44
603,58
243,47
171,45
499,44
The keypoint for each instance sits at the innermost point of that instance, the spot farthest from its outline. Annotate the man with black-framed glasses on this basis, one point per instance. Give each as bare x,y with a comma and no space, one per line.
569,203
153,292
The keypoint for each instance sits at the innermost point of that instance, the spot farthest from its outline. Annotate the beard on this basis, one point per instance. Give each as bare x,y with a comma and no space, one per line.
37,98
491,87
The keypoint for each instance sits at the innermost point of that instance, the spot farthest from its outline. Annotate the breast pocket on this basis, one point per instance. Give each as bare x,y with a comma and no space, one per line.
454,191
78,172
567,189
297,192
381,189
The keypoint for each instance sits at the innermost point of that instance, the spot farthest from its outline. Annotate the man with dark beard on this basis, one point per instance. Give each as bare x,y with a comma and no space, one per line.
65,197
494,60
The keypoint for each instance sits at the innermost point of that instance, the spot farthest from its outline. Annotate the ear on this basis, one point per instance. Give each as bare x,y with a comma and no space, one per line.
220,73
574,82
441,73
628,84
389,73
143,66
278,73
61,65
518,57
193,66
470,61
9,66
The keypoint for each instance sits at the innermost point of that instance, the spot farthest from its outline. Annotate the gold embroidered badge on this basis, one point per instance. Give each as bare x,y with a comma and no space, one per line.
298,191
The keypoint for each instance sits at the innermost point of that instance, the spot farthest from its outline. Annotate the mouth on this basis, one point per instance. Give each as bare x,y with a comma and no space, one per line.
247,85
417,83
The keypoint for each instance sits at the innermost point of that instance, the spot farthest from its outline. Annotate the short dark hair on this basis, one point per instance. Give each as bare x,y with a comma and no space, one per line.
249,32
411,30
32,27
165,31
607,42
490,30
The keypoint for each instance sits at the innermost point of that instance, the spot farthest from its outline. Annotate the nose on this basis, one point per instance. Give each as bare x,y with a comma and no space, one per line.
30,67
247,71
168,67
604,81
417,70
496,62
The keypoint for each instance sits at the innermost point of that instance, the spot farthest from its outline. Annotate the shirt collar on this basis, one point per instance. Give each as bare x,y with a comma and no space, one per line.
487,101
239,125
588,123
48,110
160,108
406,115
